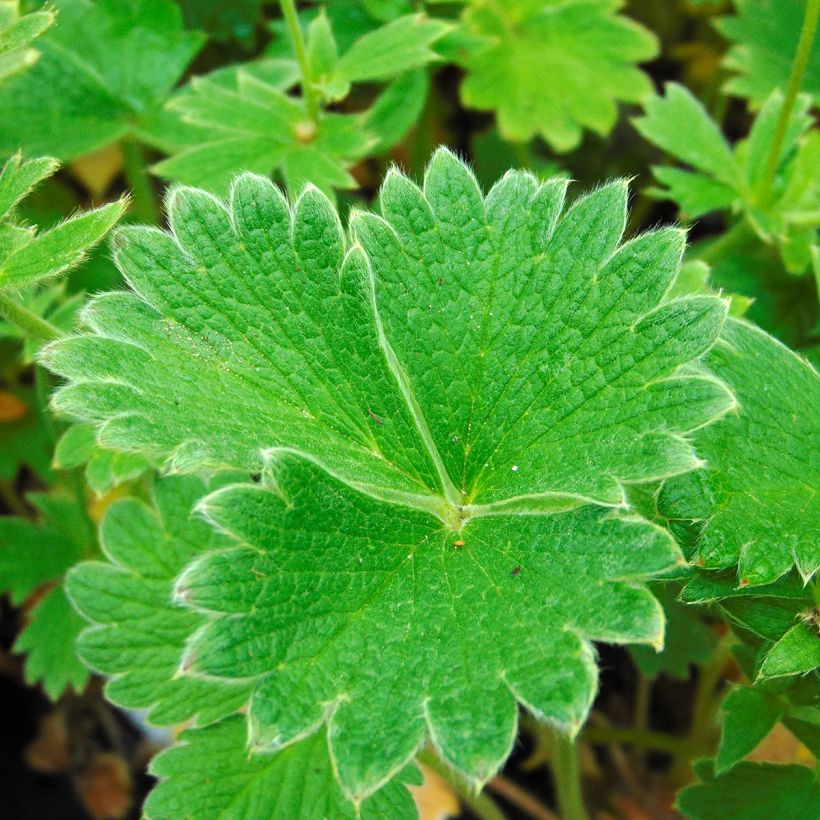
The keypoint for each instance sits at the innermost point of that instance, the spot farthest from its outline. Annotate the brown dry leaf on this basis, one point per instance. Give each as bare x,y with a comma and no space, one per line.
48,752
781,746
11,408
105,787
434,798
97,170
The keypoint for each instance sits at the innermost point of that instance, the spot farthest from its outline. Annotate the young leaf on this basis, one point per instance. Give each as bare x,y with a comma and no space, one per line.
48,254
763,477
764,34
468,359
796,653
724,178
255,126
102,67
297,782
139,635
16,35
585,48
35,556
750,714
18,178
384,53
749,788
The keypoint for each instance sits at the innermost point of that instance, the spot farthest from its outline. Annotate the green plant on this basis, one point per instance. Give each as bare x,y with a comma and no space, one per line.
353,481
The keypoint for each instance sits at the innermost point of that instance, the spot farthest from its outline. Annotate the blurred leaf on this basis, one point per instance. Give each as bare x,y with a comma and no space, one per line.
553,69
103,65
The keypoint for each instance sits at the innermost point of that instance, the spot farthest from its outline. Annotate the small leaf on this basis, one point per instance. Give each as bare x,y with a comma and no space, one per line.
750,714
796,653
749,789
396,110
211,773
384,53
18,178
587,50
61,248
16,35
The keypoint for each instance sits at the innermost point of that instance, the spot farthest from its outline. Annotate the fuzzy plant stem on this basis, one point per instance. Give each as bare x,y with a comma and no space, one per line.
298,42
801,59
22,318
136,175
567,778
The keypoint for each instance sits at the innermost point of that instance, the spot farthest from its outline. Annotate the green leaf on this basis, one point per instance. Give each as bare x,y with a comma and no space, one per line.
763,474
48,643
488,366
764,34
48,254
396,110
295,784
571,577
497,401
401,45
786,216
16,35
36,554
139,635
18,178
750,714
255,126
103,66
688,639
680,125
585,48
796,653
750,791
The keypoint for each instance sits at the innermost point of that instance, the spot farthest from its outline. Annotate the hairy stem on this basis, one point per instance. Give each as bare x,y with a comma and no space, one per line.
567,778
480,804
298,42
22,318
801,59
136,175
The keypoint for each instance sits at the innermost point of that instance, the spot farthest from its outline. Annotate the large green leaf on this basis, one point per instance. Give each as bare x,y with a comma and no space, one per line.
758,498
554,67
477,362
103,65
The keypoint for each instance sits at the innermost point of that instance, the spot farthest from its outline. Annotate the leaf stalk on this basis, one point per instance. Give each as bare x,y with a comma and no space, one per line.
801,59
21,317
567,778
298,42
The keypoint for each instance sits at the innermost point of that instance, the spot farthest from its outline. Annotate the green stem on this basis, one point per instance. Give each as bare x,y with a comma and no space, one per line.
801,59
641,738
480,804
567,778
298,42
30,323
136,174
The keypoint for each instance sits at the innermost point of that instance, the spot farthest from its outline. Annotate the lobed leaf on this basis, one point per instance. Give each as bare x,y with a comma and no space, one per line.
586,49
758,499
